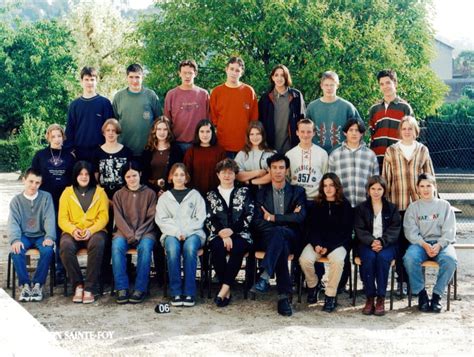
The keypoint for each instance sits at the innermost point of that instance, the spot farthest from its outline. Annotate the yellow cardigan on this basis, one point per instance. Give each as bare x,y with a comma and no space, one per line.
71,216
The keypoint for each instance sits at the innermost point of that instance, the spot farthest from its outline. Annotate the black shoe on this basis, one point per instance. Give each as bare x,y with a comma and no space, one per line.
284,307
435,305
423,301
329,303
177,301
189,301
261,286
222,302
312,297
122,297
137,297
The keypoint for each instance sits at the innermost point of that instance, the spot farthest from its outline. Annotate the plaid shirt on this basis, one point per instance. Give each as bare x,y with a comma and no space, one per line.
354,168
401,175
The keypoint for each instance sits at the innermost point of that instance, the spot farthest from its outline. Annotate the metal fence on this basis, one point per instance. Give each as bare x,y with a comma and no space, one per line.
451,147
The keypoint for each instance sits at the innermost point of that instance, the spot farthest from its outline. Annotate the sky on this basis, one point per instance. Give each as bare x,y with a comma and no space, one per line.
452,20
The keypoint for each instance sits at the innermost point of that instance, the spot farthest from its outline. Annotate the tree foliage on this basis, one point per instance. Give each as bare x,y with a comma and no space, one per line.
103,39
36,71
354,38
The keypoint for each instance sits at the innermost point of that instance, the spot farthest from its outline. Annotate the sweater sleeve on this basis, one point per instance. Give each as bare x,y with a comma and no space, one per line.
213,223
119,217
198,216
64,220
147,225
387,170
70,132
49,221
448,230
14,222
410,226
102,217
164,217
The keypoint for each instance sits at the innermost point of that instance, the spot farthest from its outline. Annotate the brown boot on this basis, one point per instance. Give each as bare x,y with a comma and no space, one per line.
380,306
369,306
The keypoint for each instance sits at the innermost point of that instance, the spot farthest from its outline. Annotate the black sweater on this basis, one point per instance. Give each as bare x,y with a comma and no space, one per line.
332,225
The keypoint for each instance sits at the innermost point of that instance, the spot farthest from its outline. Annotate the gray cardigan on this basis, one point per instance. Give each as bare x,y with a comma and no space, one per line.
185,218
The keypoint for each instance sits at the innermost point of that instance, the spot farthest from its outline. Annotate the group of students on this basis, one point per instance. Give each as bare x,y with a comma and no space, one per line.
175,175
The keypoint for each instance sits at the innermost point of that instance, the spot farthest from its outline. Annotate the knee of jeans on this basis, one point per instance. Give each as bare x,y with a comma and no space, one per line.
145,246
119,246
190,250
171,248
47,251
448,260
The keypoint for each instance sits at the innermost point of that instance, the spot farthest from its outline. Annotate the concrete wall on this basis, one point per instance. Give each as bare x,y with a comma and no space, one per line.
443,63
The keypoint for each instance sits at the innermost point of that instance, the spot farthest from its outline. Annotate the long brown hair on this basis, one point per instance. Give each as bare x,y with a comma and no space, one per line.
152,142
321,196
248,145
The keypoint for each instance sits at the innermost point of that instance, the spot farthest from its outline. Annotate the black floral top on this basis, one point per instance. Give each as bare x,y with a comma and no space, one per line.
236,217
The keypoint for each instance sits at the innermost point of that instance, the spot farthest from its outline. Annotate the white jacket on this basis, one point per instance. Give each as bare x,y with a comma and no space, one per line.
185,218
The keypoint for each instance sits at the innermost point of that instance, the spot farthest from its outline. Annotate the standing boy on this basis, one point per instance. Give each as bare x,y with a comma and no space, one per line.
308,162
329,113
31,224
385,116
136,107
233,105
186,105
85,118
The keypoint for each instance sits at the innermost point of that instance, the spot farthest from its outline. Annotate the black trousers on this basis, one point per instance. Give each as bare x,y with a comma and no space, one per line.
227,270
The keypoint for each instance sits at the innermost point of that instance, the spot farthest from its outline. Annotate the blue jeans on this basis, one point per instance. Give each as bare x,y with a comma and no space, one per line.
19,261
374,269
188,248
119,262
416,255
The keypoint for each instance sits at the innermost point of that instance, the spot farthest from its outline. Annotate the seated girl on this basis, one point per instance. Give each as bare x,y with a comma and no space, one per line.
180,215
134,213
377,227
83,216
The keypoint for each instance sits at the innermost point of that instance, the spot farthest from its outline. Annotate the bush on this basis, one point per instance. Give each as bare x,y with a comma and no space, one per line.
30,139
9,157
461,111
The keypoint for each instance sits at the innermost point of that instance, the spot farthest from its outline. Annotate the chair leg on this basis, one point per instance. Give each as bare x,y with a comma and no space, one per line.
52,276
392,284
65,282
449,296
13,282
300,287
209,276
201,280
409,295
9,268
354,293
165,283
255,263
456,284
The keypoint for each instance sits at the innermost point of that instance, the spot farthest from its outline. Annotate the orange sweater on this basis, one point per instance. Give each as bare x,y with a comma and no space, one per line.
231,111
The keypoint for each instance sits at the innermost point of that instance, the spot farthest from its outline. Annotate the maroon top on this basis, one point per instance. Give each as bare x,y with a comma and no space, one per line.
201,164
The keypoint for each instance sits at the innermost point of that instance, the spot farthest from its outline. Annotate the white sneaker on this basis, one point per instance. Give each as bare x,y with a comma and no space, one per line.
37,293
25,294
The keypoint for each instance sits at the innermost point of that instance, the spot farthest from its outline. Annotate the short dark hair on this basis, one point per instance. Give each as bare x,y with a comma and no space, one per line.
190,63
235,59
76,170
32,171
426,176
201,123
89,71
387,73
377,179
135,67
304,121
352,121
227,164
278,157
130,165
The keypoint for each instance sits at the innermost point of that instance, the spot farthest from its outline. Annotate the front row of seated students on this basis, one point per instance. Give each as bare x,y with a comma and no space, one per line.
274,218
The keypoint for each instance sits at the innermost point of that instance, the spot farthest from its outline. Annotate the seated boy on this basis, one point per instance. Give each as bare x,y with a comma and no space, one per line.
31,224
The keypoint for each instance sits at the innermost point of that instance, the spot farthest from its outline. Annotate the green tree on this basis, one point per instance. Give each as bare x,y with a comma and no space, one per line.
103,39
36,71
354,38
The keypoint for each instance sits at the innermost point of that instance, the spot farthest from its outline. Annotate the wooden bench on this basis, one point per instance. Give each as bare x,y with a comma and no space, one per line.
461,246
